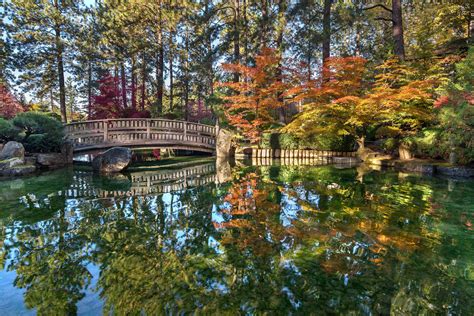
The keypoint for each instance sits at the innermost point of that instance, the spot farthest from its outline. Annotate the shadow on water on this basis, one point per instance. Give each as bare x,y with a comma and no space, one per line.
275,239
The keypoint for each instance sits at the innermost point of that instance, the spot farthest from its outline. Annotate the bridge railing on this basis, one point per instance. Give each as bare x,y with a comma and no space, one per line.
139,131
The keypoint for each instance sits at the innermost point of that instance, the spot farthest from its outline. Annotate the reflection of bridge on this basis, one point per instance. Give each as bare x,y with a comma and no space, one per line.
141,133
86,184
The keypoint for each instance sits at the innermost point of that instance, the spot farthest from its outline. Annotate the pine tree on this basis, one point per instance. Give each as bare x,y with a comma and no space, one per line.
40,31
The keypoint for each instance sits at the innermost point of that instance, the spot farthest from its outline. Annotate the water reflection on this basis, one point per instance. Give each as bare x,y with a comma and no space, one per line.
273,239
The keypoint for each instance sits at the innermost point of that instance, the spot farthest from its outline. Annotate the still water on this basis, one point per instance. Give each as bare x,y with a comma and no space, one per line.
276,240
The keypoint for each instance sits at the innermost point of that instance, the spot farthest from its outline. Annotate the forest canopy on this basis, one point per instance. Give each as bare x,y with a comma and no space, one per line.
193,59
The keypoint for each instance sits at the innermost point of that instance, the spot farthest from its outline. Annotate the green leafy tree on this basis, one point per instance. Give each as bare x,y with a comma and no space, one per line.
40,31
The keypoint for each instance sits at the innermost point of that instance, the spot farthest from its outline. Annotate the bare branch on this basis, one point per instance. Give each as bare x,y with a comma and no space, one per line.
378,6
383,19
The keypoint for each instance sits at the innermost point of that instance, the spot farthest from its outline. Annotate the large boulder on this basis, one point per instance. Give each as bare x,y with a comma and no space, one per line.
12,150
224,143
18,170
113,160
10,163
51,160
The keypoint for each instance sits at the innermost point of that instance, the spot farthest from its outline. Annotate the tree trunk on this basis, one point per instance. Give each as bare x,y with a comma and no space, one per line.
51,100
264,24
171,58
470,25
186,75
89,90
236,37
60,64
123,81
361,143
143,85
134,85
159,64
246,41
397,29
281,25
279,44
326,30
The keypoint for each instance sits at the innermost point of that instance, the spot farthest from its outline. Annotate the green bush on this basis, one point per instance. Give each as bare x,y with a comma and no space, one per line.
453,129
39,132
8,132
454,133
322,142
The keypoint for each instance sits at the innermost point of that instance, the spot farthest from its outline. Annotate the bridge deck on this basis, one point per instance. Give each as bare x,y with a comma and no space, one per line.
141,133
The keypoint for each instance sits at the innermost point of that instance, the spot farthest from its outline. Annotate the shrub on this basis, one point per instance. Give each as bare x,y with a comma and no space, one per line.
39,132
7,131
321,142
453,131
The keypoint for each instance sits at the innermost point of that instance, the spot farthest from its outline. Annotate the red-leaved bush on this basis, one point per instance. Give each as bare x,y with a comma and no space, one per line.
9,106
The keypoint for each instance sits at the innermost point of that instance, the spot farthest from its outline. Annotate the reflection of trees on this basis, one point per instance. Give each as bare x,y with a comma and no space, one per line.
154,251
49,259
362,246
276,240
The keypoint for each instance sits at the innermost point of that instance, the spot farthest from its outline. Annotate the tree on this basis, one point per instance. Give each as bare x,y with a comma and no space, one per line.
108,104
252,102
39,32
345,103
396,20
9,106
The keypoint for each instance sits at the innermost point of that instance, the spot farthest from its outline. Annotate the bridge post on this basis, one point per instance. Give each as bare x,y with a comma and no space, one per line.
105,125
148,129
185,130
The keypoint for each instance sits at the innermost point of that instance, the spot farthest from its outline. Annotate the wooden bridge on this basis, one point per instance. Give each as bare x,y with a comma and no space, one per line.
143,183
141,133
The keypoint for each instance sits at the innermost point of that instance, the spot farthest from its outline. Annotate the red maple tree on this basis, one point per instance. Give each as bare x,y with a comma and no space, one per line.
108,103
9,106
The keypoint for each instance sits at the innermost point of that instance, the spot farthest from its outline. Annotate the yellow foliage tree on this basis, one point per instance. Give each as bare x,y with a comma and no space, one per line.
349,103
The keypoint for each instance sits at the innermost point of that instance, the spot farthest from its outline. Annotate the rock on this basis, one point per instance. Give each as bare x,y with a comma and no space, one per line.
67,150
112,182
10,163
12,150
30,160
455,171
345,160
224,143
18,170
404,152
223,170
416,166
113,160
51,160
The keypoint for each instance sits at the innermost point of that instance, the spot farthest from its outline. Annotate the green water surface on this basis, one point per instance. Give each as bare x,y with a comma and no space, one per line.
267,240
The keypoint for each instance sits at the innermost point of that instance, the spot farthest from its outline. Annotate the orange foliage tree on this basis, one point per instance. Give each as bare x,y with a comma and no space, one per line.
252,102
349,102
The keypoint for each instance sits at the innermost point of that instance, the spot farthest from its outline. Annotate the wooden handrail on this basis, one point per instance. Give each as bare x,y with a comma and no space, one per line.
96,134
136,119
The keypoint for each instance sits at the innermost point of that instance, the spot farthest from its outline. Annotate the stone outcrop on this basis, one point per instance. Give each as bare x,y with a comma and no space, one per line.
224,143
18,170
51,160
416,167
13,161
113,160
12,150
455,171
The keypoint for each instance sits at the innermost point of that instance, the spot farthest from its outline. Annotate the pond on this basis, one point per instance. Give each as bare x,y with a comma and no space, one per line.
280,240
